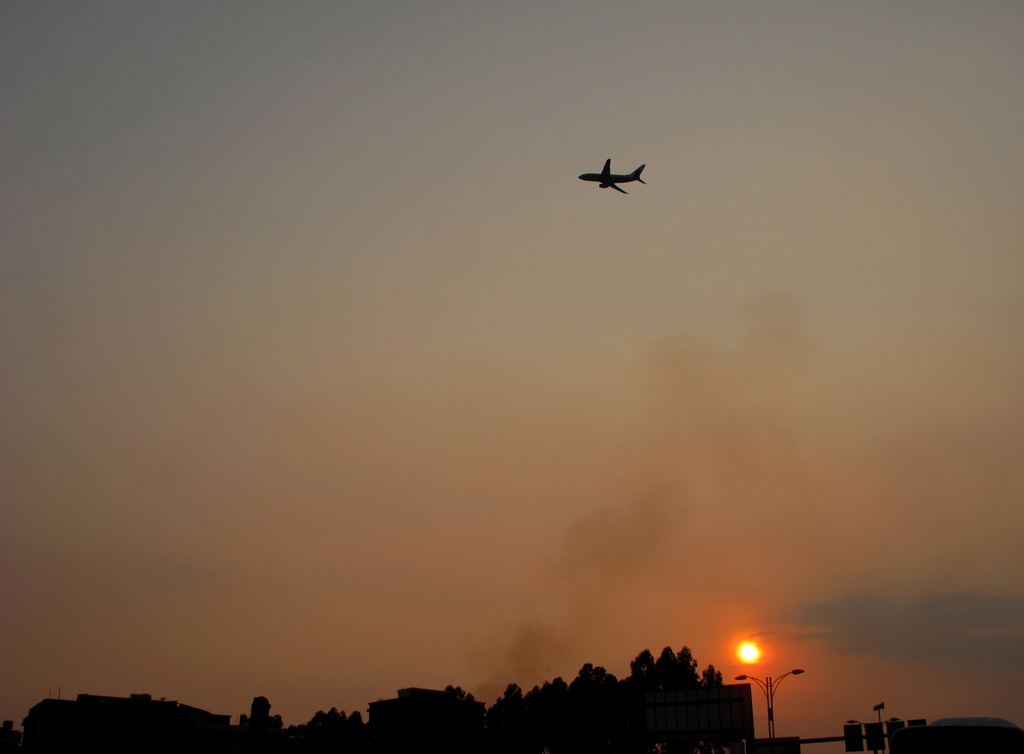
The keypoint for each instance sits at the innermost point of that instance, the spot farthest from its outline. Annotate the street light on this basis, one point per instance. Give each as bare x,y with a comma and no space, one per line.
768,686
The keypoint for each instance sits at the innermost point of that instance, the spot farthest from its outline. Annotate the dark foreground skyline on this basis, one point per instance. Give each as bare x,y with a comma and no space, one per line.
660,702
593,712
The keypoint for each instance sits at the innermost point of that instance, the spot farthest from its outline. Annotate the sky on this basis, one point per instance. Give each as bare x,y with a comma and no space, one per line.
322,375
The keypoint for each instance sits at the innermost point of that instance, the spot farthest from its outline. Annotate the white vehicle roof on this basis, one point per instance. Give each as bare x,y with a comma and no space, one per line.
996,722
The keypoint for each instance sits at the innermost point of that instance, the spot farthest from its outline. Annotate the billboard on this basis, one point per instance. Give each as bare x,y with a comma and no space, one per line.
720,713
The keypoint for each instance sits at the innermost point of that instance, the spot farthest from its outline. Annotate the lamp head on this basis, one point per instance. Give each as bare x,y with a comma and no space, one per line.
878,707
796,672
741,678
853,722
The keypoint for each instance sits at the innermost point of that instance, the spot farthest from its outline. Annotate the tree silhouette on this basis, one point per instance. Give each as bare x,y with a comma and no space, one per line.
711,677
643,674
677,670
461,695
598,716
330,731
596,712
506,722
546,712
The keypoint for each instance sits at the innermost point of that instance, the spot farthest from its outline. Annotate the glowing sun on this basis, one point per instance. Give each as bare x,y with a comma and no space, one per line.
748,652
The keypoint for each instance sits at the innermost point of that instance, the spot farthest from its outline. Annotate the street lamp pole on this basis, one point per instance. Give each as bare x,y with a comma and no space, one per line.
768,686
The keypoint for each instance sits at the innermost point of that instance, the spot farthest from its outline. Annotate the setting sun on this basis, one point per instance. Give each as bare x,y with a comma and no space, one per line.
748,652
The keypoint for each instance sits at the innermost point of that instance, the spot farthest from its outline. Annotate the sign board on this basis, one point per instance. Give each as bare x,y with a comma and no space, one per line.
854,736
875,735
720,713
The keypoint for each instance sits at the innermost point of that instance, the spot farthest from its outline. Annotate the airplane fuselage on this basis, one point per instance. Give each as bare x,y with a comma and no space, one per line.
607,180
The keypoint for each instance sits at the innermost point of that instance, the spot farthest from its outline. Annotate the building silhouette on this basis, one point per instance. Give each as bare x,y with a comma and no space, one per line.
118,725
425,720
9,737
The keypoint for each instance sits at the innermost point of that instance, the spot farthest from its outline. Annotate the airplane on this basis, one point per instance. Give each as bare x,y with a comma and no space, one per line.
607,178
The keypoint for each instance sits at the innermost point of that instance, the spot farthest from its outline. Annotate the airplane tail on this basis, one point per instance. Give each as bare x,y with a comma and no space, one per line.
637,172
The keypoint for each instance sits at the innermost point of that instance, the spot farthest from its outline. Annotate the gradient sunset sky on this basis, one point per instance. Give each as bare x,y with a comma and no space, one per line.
322,375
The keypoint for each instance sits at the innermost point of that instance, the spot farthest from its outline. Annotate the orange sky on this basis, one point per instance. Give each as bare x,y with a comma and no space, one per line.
322,375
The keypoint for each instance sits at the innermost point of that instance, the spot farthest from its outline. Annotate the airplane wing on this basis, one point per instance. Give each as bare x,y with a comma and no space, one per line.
607,167
617,188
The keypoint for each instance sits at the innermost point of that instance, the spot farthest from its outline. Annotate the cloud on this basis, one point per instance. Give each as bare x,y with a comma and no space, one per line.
956,628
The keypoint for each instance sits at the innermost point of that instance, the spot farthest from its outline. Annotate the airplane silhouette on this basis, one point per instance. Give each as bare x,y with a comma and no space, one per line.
606,178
